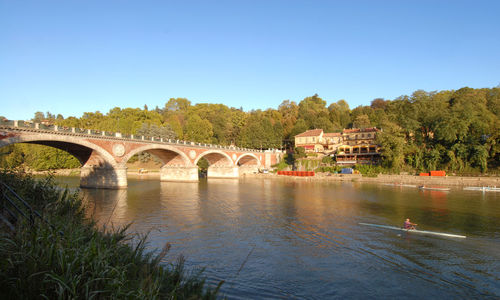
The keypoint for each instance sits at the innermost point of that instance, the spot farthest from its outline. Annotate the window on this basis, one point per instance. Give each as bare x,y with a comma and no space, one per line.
369,135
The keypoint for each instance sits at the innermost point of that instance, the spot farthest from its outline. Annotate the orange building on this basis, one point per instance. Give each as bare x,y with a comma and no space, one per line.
359,147
351,146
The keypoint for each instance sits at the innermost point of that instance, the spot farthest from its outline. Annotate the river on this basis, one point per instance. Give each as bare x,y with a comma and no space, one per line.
278,239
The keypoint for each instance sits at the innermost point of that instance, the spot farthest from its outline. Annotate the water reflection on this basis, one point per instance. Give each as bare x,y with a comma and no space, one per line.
109,208
286,239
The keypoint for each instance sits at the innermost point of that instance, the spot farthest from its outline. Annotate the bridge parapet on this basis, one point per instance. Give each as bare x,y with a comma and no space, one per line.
39,127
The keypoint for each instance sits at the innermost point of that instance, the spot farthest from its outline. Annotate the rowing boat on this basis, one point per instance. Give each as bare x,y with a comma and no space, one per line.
433,188
400,184
482,188
415,230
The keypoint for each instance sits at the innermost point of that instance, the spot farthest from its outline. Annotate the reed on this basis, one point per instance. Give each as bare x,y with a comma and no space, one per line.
37,261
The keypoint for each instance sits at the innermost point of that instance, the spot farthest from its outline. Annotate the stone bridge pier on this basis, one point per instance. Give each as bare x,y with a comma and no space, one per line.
103,177
222,172
179,173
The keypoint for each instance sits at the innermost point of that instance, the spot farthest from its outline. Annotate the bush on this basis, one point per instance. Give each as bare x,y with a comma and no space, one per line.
369,170
331,169
327,160
82,262
300,152
309,164
281,165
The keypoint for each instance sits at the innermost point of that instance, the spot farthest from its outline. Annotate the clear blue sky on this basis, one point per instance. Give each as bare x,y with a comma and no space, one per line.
71,57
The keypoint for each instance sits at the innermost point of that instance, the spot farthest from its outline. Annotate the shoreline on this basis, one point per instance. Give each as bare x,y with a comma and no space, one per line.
391,179
324,177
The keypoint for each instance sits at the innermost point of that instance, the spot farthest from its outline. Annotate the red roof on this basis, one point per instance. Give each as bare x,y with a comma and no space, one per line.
314,132
353,130
332,134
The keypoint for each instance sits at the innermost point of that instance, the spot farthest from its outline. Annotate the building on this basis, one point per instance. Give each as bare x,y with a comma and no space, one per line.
351,146
310,140
331,141
358,147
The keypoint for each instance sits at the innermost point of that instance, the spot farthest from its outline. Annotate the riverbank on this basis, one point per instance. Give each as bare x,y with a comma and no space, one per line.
396,179
381,178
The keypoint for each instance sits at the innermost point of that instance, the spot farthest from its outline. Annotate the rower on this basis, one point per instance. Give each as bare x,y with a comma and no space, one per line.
409,225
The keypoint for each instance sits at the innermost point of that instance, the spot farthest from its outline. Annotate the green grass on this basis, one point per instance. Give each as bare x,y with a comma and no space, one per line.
83,262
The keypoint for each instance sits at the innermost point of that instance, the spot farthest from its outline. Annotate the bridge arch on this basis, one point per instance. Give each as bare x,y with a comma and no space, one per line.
220,164
170,156
88,154
248,163
215,158
248,159
99,168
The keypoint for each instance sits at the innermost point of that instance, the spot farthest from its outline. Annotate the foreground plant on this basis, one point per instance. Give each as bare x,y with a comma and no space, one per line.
73,260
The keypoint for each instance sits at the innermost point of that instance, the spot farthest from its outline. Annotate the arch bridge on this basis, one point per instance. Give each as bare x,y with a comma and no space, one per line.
103,155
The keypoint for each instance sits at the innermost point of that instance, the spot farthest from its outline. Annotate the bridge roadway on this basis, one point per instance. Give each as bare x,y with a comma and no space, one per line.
103,155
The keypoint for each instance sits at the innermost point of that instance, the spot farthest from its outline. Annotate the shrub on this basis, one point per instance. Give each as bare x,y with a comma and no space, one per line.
300,152
82,262
327,160
369,170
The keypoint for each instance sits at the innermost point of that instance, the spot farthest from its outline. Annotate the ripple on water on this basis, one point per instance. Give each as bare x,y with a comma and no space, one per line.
274,239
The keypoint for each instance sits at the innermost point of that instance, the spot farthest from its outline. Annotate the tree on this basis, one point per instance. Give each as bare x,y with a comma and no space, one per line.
312,108
361,121
298,128
177,105
340,114
197,129
39,117
152,130
392,142
176,125
289,112
378,103
219,116
259,132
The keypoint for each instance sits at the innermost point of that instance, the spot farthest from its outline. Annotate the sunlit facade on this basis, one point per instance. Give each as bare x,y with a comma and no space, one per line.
351,146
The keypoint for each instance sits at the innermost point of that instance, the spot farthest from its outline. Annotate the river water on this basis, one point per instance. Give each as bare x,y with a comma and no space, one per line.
273,239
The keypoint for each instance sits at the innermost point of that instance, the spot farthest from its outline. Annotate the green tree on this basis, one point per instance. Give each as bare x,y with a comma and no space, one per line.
198,130
152,130
362,121
289,112
298,128
392,143
311,109
39,117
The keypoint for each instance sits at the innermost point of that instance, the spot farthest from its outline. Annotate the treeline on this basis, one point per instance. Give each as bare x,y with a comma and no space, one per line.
453,130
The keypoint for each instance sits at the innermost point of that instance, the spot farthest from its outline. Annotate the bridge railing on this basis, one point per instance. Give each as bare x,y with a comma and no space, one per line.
30,124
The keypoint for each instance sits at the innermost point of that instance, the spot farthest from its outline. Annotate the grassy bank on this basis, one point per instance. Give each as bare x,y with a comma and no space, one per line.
73,260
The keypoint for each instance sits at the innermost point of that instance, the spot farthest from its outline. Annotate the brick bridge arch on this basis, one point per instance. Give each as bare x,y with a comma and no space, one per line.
86,153
169,155
248,163
221,165
104,155
248,159
92,157
176,164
